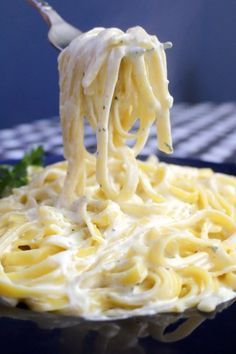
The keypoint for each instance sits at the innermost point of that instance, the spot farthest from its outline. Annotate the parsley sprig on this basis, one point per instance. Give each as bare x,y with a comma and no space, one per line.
16,175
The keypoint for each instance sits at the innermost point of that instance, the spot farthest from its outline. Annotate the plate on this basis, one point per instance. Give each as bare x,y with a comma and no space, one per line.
24,331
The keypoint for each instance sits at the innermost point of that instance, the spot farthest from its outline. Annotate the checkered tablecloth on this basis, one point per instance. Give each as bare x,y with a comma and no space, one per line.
204,131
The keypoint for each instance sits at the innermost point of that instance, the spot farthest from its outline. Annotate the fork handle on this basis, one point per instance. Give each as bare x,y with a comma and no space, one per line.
46,11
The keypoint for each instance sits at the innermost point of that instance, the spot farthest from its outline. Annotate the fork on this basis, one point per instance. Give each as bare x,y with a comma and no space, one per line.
61,33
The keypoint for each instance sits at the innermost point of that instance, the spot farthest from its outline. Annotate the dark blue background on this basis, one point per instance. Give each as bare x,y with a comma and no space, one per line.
201,63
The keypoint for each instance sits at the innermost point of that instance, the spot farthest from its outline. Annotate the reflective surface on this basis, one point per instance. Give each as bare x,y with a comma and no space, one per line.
23,331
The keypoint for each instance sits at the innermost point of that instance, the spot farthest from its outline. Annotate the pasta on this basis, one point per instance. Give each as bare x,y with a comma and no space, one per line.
108,235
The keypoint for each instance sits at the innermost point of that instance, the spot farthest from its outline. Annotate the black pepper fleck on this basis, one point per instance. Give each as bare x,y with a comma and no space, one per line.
24,247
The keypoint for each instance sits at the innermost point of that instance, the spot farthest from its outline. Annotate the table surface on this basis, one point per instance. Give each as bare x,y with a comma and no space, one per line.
205,131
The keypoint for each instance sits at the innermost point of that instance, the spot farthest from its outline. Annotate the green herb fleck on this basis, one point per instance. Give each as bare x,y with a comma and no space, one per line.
17,176
150,50
169,147
214,248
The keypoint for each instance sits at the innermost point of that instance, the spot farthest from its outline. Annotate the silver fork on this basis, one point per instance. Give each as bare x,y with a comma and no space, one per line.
61,32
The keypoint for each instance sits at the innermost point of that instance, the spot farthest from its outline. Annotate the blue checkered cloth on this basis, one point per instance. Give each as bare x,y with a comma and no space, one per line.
205,131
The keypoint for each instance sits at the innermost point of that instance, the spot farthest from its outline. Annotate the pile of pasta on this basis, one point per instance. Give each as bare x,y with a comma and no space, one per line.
168,248
108,235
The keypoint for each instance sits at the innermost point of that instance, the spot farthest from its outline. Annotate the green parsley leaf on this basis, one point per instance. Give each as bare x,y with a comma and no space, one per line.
16,176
